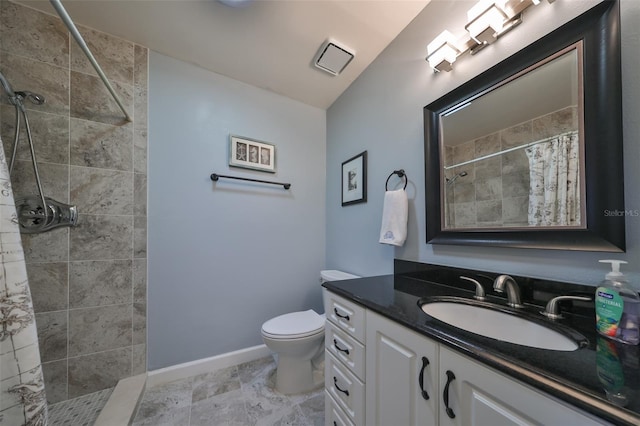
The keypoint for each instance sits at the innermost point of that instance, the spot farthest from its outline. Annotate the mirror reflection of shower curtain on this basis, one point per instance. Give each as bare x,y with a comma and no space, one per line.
449,221
22,395
554,196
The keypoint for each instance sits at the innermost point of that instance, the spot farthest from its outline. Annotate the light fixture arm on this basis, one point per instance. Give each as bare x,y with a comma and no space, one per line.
488,21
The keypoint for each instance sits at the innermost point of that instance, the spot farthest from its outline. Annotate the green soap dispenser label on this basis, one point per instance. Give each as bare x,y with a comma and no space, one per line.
609,307
608,366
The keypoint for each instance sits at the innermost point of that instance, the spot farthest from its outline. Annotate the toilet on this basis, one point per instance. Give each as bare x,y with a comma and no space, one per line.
296,338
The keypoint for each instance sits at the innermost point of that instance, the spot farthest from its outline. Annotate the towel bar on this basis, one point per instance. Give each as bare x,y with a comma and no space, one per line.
401,174
215,177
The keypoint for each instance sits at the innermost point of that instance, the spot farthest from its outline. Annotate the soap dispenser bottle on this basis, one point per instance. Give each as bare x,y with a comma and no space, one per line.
617,307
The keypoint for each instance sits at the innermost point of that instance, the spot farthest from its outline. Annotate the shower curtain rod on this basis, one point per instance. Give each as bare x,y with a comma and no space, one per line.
57,5
515,148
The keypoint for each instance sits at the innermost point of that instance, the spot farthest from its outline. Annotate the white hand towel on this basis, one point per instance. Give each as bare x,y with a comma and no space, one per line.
394,218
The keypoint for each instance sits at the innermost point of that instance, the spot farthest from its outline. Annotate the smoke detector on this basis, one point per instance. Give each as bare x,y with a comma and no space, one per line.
332,57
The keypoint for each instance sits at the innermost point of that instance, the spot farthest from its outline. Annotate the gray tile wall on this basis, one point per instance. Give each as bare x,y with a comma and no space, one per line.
495,191
88,283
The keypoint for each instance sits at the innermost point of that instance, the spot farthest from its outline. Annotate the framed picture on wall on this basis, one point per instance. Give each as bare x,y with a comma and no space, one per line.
354,180
252,154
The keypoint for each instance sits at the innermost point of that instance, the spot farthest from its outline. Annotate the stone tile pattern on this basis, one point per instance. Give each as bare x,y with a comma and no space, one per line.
239,395
495,191
80,411
88,283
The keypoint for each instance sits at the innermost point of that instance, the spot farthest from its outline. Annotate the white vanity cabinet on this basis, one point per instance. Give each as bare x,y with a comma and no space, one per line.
402,375
482,396
344,361
381,373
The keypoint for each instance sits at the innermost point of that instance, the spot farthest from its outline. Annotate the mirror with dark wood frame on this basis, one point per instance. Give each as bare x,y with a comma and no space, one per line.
491,149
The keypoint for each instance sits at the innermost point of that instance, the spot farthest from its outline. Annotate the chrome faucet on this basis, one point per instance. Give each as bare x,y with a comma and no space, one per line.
513,291
479,289
552,310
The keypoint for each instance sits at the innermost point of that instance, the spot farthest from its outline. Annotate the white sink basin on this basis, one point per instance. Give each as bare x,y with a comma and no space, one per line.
499,325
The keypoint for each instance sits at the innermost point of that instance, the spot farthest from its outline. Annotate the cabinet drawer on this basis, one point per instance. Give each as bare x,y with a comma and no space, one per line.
345,388
333,414
348,316
346,349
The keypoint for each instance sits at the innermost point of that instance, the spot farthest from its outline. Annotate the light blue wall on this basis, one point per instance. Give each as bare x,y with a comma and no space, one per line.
224,258
381,112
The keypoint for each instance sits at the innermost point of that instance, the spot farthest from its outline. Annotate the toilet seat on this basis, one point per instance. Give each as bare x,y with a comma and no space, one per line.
294,325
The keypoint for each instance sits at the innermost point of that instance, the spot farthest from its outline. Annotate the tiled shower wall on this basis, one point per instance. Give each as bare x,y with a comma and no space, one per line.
88,283
495,191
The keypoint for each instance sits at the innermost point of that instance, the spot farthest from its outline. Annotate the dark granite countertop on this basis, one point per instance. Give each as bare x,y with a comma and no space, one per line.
569,376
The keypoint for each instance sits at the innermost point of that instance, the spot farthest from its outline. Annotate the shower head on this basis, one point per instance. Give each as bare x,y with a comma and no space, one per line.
453,179
16,97
33,97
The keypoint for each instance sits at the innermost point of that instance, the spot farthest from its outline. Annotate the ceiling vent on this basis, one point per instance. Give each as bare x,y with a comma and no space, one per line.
333,58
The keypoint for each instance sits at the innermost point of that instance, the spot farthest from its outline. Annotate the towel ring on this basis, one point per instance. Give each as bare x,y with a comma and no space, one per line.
401,174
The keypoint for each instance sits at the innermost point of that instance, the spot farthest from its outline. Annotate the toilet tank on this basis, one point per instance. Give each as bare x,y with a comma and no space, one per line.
334,275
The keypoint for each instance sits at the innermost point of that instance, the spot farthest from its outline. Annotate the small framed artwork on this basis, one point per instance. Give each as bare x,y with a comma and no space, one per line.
354,180
252,154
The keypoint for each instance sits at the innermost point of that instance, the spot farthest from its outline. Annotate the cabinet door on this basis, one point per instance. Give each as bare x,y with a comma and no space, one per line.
482,396
401,371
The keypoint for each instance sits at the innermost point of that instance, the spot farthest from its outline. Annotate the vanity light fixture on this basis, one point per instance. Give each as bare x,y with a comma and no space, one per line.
443,52
487,21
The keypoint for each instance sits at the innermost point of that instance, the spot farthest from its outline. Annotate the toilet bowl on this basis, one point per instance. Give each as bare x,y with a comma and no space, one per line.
298,340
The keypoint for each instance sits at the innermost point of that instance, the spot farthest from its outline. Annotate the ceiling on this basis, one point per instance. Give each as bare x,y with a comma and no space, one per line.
269,44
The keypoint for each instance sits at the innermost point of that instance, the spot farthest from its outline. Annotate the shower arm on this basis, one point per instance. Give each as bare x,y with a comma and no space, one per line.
15,98
55,214
57,5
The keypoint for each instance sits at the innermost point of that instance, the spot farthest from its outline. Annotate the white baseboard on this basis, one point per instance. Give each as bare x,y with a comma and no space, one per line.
205,365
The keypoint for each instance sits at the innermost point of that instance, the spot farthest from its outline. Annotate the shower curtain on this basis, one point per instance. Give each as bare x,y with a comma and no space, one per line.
554,196
22,396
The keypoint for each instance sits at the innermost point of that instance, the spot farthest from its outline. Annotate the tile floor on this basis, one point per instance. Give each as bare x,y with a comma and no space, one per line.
240,395
81,411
